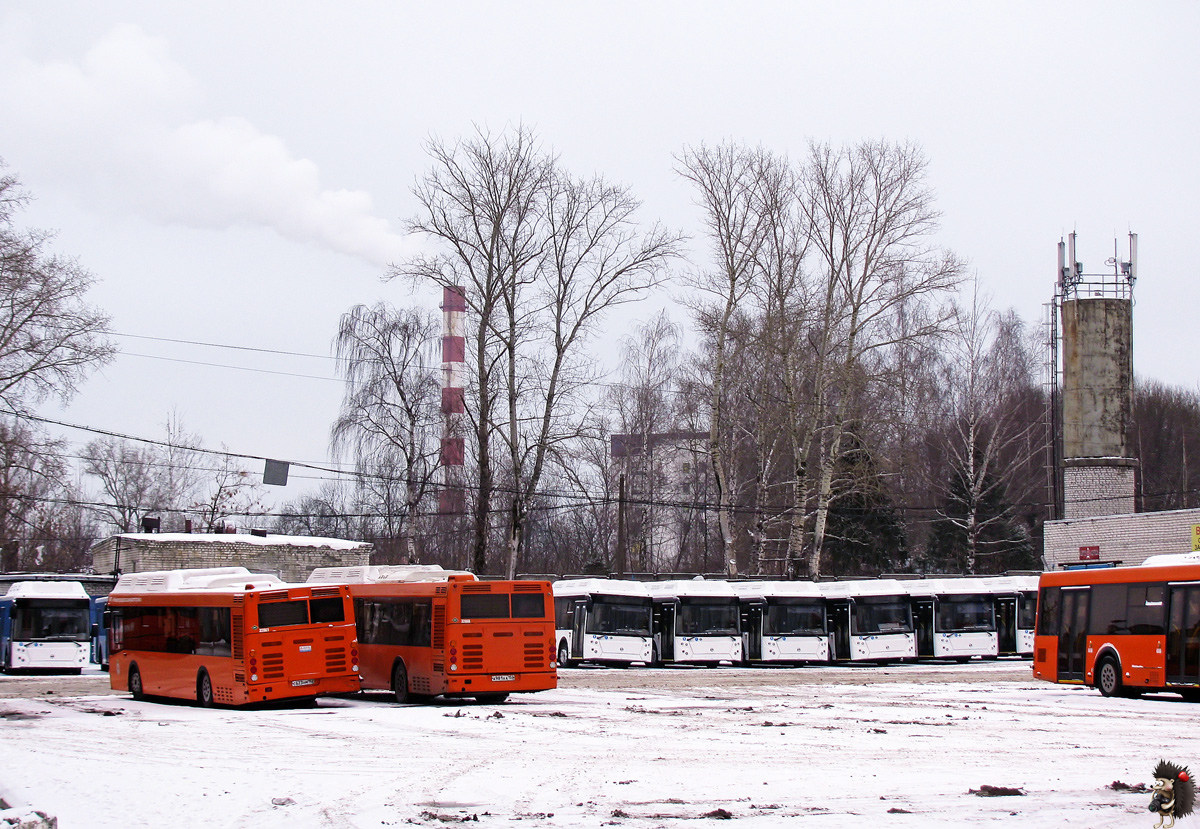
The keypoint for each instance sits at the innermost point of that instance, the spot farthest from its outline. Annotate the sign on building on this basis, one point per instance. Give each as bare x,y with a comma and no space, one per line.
1091,553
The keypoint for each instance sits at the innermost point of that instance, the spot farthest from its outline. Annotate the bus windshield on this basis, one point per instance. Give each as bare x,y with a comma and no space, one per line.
881,615
794,620
50,620
620,618
965,614
700,617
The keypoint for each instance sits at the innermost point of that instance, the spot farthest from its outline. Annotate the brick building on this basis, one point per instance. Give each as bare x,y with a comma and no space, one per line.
291,558
1119,539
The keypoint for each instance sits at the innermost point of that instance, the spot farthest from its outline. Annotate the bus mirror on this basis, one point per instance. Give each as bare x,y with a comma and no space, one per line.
95,631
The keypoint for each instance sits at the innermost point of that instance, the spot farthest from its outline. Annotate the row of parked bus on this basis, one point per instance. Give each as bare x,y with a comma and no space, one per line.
618,622
228,636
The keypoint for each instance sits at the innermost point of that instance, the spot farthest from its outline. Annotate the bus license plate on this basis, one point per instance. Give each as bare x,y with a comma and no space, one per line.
504,678
297,683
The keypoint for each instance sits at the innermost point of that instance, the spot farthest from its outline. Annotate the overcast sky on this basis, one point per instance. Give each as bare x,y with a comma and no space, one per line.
238,173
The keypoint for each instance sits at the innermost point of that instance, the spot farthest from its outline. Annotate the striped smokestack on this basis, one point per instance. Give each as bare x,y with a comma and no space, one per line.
451,500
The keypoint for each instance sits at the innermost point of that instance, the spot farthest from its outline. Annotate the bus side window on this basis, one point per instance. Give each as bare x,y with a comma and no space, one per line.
1147,609
422,624
1110,609
1048,608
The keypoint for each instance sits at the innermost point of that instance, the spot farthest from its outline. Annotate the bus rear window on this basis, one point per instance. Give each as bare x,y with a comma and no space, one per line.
327,610
282,614
528,606
485,606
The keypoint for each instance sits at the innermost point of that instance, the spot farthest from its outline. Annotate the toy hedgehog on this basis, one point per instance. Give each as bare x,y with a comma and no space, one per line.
1174,793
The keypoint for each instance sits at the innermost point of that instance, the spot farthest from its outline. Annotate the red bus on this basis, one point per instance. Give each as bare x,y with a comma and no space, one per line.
1122,630
226,635
424,631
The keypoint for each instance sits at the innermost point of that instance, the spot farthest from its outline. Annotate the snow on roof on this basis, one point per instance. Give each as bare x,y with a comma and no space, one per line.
964,585
196,578
384,573
602,587
690,587
1010,584
246,538
865,587
766,589
46,590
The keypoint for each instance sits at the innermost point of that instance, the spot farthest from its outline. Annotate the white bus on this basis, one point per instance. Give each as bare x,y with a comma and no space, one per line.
602,620
45,626
954,618
783,622
869,620
696,621
1015,599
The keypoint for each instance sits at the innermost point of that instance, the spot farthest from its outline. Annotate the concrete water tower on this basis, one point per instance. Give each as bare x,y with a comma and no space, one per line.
1096,402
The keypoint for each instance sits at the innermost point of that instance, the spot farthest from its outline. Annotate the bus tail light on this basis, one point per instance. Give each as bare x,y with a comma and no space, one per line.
253,669
354,659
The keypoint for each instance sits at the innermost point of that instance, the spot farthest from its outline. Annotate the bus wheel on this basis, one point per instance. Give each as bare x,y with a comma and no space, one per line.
655,660
491,699
400,683
563,655
204,691
135,683
1108,677
1190,694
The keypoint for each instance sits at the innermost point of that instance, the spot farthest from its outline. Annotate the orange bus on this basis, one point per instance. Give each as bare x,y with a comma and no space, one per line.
1122,630
424,631
226,635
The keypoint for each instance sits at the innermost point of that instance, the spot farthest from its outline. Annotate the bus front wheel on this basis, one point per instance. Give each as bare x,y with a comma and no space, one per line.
400,683
135,683
563,655
1108,677
204,690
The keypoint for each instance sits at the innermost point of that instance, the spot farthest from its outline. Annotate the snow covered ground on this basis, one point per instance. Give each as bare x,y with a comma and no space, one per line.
814,747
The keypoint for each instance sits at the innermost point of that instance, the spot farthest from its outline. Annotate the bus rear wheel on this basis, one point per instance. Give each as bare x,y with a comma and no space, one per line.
135,683
204,690
400,683
1108,678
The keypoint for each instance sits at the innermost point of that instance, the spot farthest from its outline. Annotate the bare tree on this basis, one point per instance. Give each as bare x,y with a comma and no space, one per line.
481,202
727,184
233,492
542,255
390,420
130,477
870,213
32,493
991,435
596,259
50,339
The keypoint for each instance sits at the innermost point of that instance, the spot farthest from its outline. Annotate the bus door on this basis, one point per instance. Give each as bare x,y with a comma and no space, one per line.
664,629
839,626
578,625
1183,634
923,614
1006,624
752,629
1072,633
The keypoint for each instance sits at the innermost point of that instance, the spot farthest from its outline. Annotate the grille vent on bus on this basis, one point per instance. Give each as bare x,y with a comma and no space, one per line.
440,590
526,587
272,663
420,685
325,592
480,587
238,598
1155,678
336,655
236,632
472,657
535,654
273,596
223,695
439,627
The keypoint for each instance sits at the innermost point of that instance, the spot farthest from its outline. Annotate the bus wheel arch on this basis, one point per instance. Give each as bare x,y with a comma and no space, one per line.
400,682
204,689
1107,678
135,682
